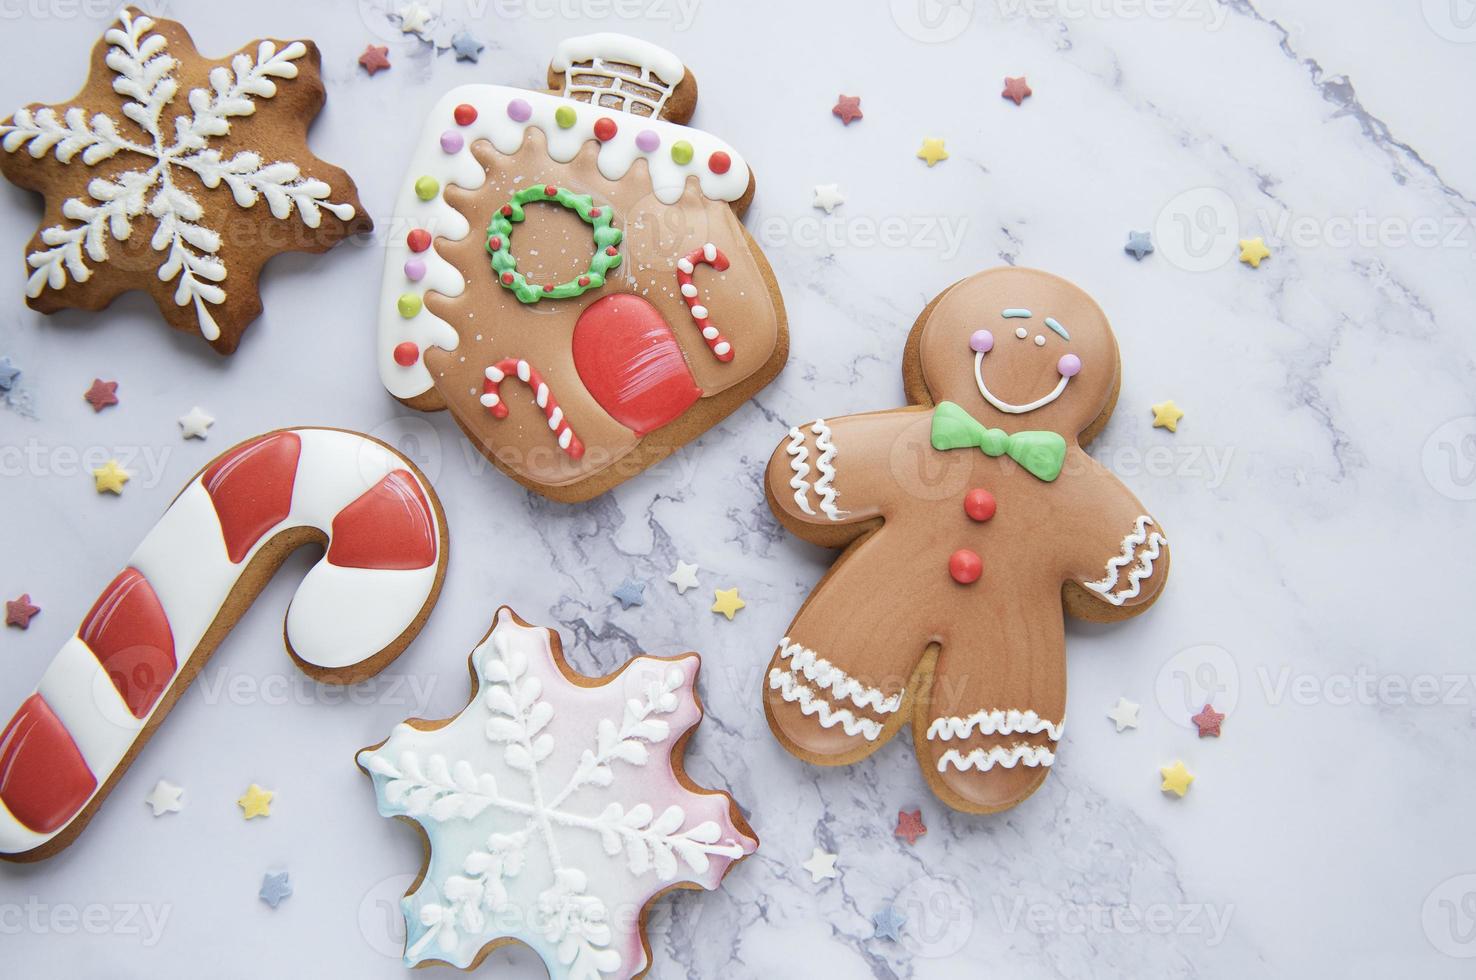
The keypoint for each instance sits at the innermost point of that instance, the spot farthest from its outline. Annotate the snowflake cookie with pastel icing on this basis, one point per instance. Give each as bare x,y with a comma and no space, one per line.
971,519
179,175
555,808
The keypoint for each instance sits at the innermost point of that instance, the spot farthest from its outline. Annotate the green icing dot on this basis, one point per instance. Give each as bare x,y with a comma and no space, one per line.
564,116
427,188
409,305
681,152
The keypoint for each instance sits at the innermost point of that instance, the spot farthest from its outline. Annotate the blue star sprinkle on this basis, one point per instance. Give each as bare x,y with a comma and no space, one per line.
889,923
1139,244
467,47
274,888
631,593
8,373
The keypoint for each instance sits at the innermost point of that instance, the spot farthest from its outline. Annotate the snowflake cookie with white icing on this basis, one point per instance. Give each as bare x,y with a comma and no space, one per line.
555,808
570,276
970,520
177,174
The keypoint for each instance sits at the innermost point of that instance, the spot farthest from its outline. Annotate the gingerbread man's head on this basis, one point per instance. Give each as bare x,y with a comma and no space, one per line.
1017,349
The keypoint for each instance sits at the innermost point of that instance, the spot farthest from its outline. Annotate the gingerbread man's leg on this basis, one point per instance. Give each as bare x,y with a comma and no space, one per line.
836,688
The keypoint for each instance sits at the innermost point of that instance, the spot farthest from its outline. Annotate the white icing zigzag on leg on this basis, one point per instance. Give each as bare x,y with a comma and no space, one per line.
1032,756
1142,570
809,703
994,722
796,449
829,677
827,471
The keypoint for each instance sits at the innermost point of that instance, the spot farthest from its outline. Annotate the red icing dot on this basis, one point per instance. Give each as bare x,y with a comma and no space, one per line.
550,190
610,250
605,129
584,280
979,504
507,210
594,212
406,353
965,566
719,162
507,278
495,242
419,240
548,287
465,114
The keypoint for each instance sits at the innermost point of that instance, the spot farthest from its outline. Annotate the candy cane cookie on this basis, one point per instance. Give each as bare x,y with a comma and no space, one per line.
708,254
185,586
525,372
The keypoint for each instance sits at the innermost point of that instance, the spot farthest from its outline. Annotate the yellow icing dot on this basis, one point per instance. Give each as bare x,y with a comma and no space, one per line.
681,152
409,305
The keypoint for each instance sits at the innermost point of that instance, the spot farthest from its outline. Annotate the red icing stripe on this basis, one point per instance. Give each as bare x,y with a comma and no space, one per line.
252,489
128,632
44,780
389,526
630,362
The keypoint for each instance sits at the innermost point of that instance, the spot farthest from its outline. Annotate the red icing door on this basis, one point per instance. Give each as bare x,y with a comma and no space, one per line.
631,363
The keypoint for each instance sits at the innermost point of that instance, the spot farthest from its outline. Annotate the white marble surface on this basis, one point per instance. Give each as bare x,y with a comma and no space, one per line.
1318,494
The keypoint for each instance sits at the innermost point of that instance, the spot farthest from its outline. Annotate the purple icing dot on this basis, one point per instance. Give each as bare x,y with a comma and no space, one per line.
647,141
518,110
1068,365
451,141
982,341
414,270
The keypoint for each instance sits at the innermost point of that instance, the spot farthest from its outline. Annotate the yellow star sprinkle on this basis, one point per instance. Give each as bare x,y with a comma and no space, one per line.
932,151
110,477
1176,778
1253,250
1166,415
727,602
256,803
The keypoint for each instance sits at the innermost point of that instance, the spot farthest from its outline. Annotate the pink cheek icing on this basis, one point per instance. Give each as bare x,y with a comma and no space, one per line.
982,342
1069,365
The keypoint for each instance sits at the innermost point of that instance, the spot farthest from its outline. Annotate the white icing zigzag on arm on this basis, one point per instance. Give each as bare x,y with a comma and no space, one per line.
795,692
827,471
994,722
831,678
983,760
799,453
1137,573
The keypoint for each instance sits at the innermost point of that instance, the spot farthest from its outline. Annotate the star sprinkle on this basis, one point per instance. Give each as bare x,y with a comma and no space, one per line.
684,578
101,394
820,866
1166,415
1124,714
727,602
1140,243
375,58
1016,90
888,924
274,888
631,593
1208,722
18,612
467,47
1253,250
193,423
8,373
165,798
847,108
415,18
110,477
256,802
932,151
1176,779
829,197
910,825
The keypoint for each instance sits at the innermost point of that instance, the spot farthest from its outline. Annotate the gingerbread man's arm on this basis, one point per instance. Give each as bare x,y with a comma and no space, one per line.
1119,558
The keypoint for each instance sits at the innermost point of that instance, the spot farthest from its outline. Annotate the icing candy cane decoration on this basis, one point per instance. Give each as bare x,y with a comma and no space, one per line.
195,572
708,254
492,398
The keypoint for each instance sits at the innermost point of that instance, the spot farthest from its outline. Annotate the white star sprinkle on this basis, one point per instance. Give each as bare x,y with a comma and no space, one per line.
165,798
1124,714
829,197
415,18
194,423
684,578
820,865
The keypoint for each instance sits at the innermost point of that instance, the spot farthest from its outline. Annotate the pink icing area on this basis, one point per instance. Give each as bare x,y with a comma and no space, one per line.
982,341
1069,365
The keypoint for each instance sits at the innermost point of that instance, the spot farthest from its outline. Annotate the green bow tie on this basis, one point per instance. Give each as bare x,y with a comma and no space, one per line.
1041,453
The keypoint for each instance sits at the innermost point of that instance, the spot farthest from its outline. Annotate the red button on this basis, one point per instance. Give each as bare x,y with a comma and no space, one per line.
979,504
605,129
406,354
719,162
419,240
965,566
465,114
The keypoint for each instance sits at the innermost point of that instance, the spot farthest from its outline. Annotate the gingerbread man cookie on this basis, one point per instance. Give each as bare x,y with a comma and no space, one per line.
177,174
969,519
574,282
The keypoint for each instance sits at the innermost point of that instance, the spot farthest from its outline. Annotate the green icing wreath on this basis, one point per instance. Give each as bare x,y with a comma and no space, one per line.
505,264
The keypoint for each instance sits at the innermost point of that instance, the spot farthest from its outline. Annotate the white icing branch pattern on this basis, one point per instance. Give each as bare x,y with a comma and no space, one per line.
1107,585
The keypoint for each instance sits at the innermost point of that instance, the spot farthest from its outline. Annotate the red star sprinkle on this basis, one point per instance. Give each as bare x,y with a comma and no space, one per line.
848,108
102,394
375,58
1016,90
910,825
1208,722
18,612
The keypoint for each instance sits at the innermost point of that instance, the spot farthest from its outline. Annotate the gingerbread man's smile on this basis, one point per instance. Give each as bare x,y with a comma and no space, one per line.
982,342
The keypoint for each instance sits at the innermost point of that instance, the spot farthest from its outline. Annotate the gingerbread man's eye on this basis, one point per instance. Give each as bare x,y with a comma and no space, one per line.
1069,365
982,341
1021,332
1039,340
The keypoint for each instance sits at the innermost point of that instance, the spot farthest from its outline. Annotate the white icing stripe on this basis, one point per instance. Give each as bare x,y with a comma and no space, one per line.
100,723
809,703
1137,573
799,452
827,471
831,678
993,722
1032,756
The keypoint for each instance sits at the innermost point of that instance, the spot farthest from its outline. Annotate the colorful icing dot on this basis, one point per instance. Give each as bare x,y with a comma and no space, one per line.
979,504
406,354
1069,365
981,342
719,162
605,129
647,141
550,190
419,240
518,110
681,152
427,187
465,114
565,116
965,566
408,304
451,141
494,243
414,270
